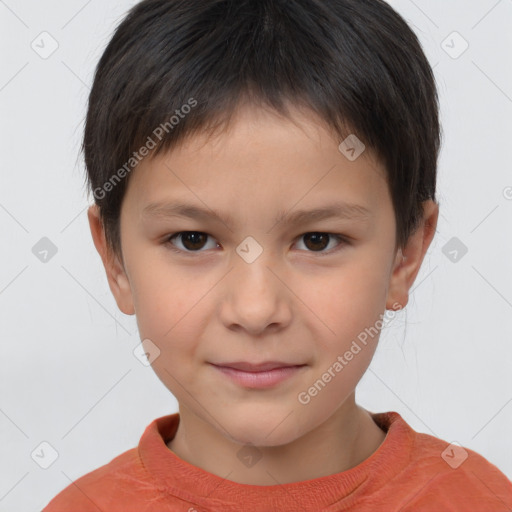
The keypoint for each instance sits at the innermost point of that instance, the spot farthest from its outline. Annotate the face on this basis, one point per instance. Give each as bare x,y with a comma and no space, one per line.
250,281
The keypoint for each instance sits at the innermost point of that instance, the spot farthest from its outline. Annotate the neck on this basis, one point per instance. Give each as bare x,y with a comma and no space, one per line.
345,440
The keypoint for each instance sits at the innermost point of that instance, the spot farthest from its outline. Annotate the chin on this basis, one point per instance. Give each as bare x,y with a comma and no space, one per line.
264,430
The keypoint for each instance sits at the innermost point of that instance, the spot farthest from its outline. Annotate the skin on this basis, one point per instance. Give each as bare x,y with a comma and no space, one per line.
300,301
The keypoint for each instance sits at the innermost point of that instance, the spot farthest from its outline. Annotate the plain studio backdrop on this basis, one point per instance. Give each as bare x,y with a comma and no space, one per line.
73,395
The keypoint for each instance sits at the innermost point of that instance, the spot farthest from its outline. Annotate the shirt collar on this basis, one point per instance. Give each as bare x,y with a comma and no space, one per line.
195,485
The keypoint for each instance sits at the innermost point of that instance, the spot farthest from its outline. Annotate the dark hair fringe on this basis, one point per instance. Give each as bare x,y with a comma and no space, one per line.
355,63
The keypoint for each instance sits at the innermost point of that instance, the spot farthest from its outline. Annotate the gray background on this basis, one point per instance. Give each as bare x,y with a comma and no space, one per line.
68,375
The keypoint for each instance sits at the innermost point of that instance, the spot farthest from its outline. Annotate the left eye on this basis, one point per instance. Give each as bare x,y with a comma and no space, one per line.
320,241
193,241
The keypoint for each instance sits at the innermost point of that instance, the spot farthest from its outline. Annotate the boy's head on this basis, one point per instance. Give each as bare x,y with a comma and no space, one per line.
256,111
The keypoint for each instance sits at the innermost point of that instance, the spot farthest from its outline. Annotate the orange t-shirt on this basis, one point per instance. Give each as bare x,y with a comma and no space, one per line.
410,471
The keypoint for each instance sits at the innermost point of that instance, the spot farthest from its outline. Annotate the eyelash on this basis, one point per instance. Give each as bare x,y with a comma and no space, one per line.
342,239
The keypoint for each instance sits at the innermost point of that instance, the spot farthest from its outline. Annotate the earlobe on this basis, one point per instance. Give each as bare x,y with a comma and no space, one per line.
408,260
116,275
398,297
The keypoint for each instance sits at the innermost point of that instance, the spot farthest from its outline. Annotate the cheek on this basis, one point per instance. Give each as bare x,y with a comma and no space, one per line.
169,317
347,302
171,313
162,296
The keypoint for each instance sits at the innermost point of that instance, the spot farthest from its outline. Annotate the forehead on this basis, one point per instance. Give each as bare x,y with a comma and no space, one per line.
259,157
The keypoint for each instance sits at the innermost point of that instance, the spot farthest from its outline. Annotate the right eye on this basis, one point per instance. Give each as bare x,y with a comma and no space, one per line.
191,241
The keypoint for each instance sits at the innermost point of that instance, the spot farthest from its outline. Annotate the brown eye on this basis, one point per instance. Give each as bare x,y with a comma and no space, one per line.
194,241
191,241
318,242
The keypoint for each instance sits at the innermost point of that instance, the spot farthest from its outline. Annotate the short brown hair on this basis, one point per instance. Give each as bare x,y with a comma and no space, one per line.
356,63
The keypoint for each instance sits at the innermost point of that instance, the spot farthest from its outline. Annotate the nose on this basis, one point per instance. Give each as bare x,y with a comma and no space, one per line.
256,299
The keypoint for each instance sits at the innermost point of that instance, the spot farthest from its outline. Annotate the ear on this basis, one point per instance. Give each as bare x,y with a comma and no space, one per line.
116,274
409,259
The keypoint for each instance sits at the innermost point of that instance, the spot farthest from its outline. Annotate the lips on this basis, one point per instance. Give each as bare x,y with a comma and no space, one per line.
257,367
258,376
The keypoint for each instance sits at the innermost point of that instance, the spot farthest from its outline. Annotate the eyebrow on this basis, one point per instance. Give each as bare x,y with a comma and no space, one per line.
341,210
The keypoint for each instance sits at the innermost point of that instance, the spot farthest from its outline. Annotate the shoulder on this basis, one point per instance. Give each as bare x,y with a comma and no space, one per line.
124,483
109,487
454,478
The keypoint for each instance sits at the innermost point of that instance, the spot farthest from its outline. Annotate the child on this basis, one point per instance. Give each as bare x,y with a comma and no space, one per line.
223,139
